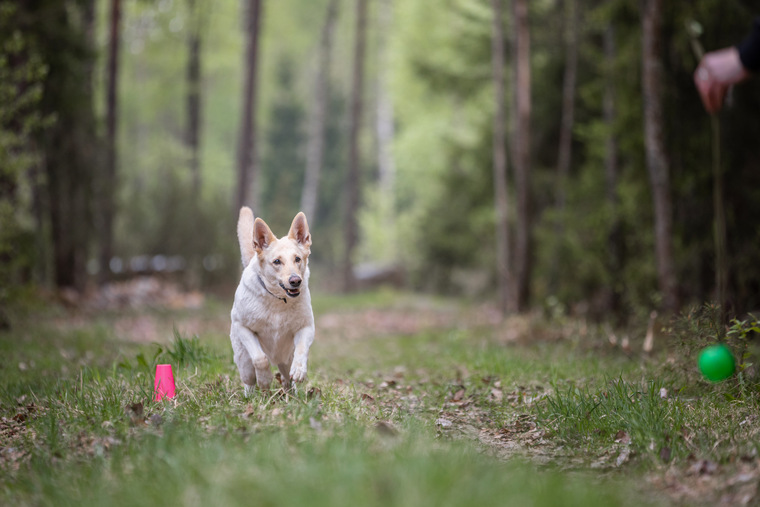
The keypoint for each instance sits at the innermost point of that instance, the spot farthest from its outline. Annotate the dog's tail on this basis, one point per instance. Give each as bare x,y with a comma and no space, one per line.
245,235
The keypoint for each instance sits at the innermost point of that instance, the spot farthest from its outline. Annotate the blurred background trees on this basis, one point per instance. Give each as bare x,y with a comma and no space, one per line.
606,146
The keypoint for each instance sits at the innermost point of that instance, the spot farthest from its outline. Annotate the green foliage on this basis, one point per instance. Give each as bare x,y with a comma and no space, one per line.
170,219
439,222
600,416
744,329
283,161
326,227
443,95
367,428
442,82
93,436
186,352
22,72
743,335
353,467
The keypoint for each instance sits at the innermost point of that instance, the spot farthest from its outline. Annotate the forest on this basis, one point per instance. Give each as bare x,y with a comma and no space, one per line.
466,147
533,253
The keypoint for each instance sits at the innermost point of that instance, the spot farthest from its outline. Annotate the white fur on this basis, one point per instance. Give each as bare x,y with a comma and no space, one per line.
270,328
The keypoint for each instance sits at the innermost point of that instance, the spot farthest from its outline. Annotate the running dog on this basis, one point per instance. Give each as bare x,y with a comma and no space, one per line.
272,320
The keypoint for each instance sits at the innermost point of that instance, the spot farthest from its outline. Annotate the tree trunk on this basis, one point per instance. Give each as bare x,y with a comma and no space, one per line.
108,186
657,164
501,193
521,149
614,238
247,164
352,179
318,117
194,94
385,127
569,82
69,147
564,152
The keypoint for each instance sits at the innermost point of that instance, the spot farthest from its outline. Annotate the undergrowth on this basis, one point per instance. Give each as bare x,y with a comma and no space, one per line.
621,410
391,420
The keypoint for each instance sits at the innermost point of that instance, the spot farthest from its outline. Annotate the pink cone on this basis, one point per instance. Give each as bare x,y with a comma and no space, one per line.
164,385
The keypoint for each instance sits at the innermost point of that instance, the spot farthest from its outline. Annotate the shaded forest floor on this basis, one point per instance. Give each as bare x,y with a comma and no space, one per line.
411,400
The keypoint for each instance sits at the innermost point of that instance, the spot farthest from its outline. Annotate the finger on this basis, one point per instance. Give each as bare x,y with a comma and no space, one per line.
702,83
716,95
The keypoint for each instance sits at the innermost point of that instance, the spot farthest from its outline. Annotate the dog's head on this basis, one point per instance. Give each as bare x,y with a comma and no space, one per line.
283,263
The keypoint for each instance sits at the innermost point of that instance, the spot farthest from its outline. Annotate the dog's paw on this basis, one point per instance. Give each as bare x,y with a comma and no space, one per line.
298,372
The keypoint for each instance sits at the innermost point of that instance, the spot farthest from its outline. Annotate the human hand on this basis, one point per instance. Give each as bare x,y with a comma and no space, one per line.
717,71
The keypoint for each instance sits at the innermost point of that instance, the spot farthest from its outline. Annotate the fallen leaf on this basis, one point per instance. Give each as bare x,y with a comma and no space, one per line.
367,397
249,411
443,423
314,392
622,437
742,478
136,408
703,467
497,394
625,453
135,413
458,395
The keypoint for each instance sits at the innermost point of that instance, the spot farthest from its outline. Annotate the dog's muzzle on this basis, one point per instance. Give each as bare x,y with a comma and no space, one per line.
294,290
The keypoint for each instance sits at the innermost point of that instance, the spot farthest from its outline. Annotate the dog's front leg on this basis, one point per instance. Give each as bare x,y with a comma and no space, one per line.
258,358
242,359
302,341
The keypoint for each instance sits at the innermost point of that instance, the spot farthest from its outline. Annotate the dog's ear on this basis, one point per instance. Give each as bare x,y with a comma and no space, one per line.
245,235
299,230
262,235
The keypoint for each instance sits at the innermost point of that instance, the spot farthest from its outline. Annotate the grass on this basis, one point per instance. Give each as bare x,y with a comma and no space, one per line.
641,413
392,415
658,425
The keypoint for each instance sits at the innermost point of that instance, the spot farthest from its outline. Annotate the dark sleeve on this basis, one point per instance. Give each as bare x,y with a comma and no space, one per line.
749,49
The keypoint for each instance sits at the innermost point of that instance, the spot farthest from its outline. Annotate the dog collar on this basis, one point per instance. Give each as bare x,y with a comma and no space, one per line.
284,300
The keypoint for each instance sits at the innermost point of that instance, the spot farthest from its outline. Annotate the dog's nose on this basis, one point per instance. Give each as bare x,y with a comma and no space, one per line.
295,281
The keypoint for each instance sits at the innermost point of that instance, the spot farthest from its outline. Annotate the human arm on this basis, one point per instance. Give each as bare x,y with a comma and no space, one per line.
719,70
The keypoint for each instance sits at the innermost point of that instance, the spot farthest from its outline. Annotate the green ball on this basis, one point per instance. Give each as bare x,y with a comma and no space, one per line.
716,363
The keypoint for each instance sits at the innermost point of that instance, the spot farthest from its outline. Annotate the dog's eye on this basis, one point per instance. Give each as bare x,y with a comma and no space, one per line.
277,262
298,259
